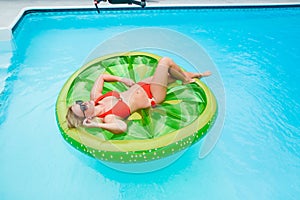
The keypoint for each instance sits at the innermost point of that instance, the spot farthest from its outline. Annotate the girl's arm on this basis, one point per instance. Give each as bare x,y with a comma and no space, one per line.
111,123
99,83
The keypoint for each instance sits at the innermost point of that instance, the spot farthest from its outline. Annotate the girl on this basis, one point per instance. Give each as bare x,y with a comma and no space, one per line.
113,106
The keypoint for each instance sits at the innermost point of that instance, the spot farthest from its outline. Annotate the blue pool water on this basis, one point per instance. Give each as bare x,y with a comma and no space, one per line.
257,54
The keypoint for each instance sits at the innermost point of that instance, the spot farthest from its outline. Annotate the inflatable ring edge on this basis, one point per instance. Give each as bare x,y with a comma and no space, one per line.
95,143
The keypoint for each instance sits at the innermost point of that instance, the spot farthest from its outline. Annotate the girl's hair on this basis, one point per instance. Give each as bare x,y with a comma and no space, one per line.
73,120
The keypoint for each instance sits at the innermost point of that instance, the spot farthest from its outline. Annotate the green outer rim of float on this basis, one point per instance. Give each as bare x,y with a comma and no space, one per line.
131,151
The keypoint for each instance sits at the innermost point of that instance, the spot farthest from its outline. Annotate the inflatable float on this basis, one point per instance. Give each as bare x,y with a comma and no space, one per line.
180,121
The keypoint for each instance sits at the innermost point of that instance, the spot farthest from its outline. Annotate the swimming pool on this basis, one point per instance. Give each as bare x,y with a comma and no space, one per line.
256,52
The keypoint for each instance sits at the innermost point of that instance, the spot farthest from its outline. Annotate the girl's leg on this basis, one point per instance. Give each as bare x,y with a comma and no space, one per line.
167,71
176,73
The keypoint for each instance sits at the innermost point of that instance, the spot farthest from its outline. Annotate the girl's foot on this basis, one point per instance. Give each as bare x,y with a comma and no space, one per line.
192,75
204,74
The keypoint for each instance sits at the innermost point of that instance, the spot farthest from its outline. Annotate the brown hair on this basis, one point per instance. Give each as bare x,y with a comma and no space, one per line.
73,120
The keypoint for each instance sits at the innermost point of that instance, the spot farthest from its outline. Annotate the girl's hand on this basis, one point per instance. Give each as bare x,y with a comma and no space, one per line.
89,123
128,82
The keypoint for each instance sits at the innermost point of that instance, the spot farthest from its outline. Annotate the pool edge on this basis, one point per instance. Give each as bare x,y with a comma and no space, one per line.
27,10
